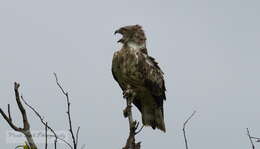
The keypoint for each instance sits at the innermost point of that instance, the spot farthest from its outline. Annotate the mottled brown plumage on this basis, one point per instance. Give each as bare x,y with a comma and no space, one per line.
135,70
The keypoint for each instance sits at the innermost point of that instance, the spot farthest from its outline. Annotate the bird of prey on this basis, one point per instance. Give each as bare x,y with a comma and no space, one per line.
139,75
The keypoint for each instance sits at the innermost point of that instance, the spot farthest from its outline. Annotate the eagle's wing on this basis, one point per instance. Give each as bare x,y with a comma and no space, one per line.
142,72
153,77
153,81
148,75
115,67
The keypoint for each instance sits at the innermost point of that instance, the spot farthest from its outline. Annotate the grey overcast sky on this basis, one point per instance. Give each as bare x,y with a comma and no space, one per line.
209,51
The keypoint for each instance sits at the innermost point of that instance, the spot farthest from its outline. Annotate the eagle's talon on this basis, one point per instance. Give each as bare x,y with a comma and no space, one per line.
125,113
127,93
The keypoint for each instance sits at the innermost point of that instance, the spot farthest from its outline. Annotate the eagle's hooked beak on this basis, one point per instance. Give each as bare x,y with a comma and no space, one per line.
116,32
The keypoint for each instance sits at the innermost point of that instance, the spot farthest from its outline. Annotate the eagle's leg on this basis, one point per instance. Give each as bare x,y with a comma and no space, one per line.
125,112
129,95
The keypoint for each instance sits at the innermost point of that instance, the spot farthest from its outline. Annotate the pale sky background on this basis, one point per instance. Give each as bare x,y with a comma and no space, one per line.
209,51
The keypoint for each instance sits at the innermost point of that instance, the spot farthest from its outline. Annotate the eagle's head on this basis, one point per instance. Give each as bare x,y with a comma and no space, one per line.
132,34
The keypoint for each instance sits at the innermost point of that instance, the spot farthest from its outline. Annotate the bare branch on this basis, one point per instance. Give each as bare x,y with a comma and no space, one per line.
77,136
26,126
45,124
64,141
26,129
9,112
250,138
9,121
46,135
256,138
66,94
42,121
133,125
184,126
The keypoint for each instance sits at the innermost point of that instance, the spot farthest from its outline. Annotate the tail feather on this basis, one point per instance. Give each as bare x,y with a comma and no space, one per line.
153,117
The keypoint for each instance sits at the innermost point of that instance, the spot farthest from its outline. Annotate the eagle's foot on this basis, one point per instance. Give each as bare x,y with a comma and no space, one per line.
126,111
128,93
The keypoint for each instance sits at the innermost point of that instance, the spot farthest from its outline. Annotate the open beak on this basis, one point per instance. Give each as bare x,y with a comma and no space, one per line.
117,31
120,40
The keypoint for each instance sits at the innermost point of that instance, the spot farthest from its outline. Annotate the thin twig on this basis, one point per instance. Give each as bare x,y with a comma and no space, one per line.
77,136
45,124
66,94
256,138
46,135
64,141
184,126
250,138
9,121
9,112
42,121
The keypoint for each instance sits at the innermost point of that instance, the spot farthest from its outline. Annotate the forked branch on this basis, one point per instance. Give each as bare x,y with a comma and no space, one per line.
26,126
66,94
251,138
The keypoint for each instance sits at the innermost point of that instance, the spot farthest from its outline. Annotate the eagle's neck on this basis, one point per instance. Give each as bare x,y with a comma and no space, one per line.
135,46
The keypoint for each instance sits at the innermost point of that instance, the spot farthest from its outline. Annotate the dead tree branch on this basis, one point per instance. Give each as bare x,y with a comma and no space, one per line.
26,126
66,94
133,125
184,126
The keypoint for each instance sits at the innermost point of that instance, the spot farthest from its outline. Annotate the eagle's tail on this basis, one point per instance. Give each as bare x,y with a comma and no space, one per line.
153,117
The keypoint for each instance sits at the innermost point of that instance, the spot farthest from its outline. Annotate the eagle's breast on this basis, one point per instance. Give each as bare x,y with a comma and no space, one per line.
129,68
